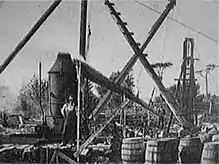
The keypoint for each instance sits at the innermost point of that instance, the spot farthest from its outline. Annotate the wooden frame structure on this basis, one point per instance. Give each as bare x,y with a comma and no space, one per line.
138,54
175,108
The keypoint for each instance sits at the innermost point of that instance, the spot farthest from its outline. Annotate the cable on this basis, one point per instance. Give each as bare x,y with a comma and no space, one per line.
192,29
164,43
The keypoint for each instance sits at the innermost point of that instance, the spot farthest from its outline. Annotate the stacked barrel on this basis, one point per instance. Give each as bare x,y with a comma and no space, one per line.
133,150
210,151
162,150
190,150
170,150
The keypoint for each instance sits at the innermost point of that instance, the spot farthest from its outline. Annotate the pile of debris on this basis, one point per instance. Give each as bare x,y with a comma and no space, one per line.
209,132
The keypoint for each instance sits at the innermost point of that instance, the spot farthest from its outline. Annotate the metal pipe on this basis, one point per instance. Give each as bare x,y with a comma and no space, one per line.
26,38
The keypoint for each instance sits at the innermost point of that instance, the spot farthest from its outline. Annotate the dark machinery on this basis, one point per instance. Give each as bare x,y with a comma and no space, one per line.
62,83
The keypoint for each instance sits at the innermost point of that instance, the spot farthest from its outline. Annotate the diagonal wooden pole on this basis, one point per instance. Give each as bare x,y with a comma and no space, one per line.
132,60
165,93
28,36
90,139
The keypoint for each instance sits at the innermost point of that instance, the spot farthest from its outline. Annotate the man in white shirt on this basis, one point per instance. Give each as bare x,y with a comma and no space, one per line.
70,125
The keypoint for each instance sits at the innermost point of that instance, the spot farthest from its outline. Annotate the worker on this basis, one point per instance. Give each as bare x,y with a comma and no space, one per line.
70,124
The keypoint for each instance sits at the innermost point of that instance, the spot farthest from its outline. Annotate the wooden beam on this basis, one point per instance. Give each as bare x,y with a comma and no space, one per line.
8,147
165,93
83,29
133,59
118,81
78,68
57,159
95,134
53,157
95,76
65,157
28,36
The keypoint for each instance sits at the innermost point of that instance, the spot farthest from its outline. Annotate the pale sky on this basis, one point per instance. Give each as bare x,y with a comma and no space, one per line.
109,51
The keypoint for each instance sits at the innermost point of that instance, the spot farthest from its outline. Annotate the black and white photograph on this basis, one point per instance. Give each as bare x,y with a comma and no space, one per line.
109,81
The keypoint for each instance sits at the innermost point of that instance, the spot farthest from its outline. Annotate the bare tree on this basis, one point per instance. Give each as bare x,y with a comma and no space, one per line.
29,97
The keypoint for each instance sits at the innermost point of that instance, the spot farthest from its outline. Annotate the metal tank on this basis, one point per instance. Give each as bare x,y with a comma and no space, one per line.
62,83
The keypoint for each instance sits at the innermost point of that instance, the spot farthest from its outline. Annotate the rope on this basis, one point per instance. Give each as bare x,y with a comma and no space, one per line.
178,22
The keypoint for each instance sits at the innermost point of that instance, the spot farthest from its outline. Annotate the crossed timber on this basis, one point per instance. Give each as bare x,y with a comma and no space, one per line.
174,107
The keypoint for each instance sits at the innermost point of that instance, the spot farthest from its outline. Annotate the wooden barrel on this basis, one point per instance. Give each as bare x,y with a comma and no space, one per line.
190,150
164,150
133,150
215,137
210,153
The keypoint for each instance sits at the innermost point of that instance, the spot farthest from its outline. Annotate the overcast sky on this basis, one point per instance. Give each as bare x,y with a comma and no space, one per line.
109,51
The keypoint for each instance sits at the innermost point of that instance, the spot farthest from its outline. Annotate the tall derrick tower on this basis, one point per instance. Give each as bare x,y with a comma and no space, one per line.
188,79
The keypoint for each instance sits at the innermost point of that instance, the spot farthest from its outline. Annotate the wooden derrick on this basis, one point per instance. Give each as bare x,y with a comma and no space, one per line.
165,93
127,67
134,58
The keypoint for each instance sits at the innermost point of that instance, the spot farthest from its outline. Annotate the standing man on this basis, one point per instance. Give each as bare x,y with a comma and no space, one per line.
70,125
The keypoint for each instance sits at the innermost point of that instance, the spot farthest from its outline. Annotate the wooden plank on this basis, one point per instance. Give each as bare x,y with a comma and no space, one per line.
53,157
65,157
57,159
90,139
47,155
18,140
8,147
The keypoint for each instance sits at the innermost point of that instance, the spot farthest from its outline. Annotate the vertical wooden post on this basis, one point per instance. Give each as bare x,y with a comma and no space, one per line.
121,113
83,29
40,88
124,118
78,111
47,154
206,81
